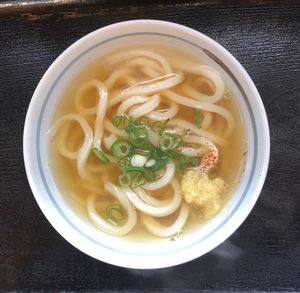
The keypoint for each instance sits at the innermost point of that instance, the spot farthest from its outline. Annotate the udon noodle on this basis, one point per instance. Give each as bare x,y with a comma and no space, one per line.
147,139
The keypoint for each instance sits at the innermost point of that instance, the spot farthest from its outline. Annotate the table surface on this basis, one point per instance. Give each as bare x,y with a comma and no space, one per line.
262,255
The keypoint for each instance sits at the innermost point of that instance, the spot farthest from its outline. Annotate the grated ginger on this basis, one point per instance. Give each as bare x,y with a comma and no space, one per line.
203,193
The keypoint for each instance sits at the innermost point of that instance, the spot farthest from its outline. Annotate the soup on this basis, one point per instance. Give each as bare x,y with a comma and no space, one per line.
147,141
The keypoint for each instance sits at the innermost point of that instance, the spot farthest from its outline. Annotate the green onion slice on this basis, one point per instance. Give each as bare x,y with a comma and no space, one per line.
138,180
197,117
143,152
160,158
182,160
143,120
138,160
156,126
125,179
177,140
100,154
161,131
159,126
115,213
120,121
141,132
140,169
170,141
138,136
131,125
159,163
123,162
166,143
175,155
120,149
155,152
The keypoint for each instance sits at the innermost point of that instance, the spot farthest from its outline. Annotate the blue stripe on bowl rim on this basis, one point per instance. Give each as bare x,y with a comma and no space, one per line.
39,137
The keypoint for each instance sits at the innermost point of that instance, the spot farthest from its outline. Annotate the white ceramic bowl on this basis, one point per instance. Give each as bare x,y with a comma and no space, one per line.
119,251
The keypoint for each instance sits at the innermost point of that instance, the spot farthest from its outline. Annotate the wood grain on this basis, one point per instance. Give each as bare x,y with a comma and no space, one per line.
263,255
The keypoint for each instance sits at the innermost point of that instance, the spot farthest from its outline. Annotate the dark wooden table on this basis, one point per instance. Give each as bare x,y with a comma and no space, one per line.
263,255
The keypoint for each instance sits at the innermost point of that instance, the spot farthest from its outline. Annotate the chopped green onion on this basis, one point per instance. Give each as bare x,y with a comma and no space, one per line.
175,155
123,163
138,160
181,160
160,158
100,154
171,133
161,131
170,141
185,162
155,152
140,153
138,135
143,152
125,179
177,140
138,180
140,169
156,126
141,132
197,117
150,163
143,120
120,149
131,125
132,179
159,163
159,126
166,143
115,213
120,121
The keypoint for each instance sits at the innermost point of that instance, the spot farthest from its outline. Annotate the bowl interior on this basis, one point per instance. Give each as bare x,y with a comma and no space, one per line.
123,251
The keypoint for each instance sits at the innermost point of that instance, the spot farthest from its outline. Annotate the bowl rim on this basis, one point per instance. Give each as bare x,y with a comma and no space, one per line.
184,257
